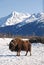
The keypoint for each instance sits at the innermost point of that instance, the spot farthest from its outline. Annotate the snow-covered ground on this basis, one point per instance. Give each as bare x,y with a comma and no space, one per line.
9,58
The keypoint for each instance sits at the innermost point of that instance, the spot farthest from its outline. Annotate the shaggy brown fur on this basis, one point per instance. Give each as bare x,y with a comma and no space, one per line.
18,44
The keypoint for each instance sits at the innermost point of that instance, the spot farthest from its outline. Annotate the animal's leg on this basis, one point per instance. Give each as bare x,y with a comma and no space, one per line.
29,48
18,53
30,53
26,53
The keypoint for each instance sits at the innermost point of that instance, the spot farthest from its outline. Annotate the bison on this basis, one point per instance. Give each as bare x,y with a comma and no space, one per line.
18,44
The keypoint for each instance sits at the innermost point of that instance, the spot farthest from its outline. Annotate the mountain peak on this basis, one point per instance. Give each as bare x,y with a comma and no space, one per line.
15,13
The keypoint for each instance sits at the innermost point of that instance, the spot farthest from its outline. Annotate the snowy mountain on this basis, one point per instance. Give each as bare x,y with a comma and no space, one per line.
23,24
14,18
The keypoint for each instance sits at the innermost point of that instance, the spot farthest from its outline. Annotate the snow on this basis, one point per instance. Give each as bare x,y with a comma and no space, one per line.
16,18
9,58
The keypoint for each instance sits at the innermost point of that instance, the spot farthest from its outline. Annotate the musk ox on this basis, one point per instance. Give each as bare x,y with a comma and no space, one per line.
18,44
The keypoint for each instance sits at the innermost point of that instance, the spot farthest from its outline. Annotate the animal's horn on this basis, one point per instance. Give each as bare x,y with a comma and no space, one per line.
14,44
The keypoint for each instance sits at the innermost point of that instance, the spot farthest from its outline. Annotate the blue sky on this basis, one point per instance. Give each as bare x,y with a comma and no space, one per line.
30,6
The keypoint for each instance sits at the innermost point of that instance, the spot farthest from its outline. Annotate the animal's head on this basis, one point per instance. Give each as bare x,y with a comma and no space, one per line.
12,45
